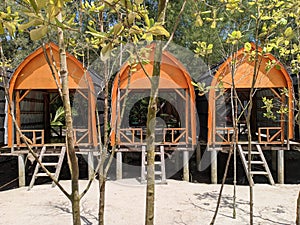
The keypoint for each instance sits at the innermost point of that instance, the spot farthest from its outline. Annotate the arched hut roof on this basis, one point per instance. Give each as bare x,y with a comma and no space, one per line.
276,76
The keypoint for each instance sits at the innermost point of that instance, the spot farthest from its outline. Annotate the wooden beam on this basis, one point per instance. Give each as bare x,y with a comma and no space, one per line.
186,116
24,95
82,94
123,96
53,99
18,115
180,94
275,93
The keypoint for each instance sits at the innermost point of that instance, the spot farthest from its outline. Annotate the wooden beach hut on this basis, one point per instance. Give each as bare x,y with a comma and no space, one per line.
272,82
33,92
176,116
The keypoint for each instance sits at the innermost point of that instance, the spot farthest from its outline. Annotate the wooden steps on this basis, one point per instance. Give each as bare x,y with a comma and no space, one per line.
259,161
54,159
159,166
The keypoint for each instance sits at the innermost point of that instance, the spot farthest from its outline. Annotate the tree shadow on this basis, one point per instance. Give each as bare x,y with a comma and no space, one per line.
66,209
227,202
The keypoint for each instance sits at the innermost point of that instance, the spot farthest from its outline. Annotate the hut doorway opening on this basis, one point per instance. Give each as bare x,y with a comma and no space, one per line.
266,124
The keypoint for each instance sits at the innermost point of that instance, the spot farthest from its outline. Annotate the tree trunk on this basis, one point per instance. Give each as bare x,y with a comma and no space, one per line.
151,116
73,161
102,182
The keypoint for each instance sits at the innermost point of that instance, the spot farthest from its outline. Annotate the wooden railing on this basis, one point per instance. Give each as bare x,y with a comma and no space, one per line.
131,136
80,136
137,136
33,137
223,135
271,135
173,135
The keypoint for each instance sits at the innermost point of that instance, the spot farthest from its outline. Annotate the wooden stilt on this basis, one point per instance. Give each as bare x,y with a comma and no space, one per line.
119,166
280,166
21,167
186,172
198,156
90,165
214,172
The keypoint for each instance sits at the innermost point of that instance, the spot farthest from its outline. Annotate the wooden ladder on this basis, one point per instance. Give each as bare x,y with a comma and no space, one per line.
159,166
54,160
260,160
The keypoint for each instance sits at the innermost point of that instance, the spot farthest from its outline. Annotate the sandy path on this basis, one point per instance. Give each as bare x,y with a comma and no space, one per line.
176,203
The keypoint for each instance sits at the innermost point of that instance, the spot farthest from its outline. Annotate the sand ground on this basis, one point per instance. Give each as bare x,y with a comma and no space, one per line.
177,202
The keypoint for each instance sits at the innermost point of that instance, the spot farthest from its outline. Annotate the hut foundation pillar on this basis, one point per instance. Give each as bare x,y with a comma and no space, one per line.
21,169
214,162
280,169
186,171
90,164
198,156
119,166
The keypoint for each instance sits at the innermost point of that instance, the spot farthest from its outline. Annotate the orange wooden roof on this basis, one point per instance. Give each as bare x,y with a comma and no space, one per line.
172,75
274,78
34,72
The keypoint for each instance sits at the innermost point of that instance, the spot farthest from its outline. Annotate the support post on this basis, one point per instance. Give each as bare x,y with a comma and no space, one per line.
280,169
186,172
178,165
198,156
21,168
91,164
214,162
119,166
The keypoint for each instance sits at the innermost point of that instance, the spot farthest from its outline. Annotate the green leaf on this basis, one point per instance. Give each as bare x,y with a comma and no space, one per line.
158,29
106,50
288,32
38,33
247,47
31,23
59,23
41,3
199,21
131,17
34,6
1,28
277,67
118,28
10,27
138,2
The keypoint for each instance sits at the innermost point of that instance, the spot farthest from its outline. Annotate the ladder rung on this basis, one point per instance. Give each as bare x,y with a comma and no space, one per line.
155,163
51,154
256,162
259,173
252,152
158,173
50,164
42,175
